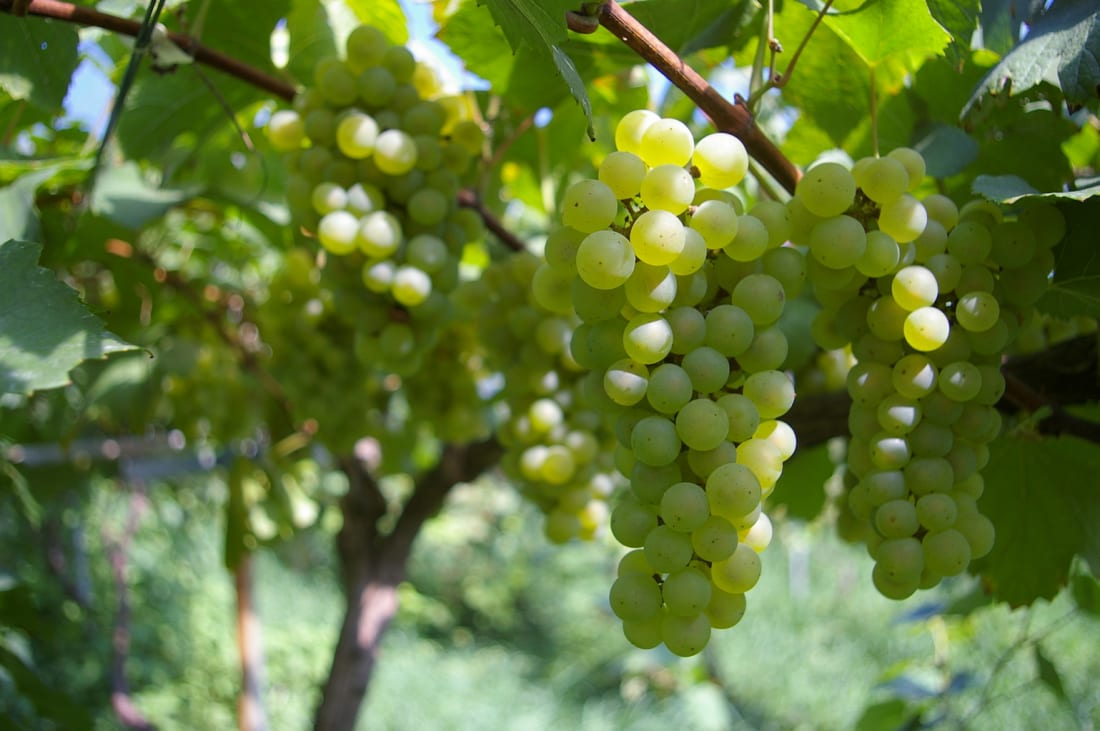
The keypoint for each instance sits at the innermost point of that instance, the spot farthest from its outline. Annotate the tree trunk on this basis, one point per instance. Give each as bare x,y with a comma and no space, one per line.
374,564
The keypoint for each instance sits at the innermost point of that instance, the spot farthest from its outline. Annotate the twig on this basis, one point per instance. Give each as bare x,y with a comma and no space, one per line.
874,115
250,708
726,116
202,54
780,80
469,199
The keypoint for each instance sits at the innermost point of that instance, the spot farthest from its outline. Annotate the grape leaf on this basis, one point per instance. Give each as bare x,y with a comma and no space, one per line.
1003,188
37,58
1001,22
1076,286
959,18
527,23
947,150
879,30
1041,495
49,702
123,195
1086,593
801,487
45,331
18,218
1062,48
1049,675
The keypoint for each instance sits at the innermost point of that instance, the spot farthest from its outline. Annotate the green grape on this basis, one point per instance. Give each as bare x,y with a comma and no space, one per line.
729,330
647,338
883,179
666,142
1013,244
395,152
926,329
787,265
596,305
882,486
668,188
629,130
336,83
897,589
644,634
721,160
337,232
898,414
605,260
764,459
692,257
767,352
650,288
776,218
376,87
685,636
880,256
903,218
978,531
889,452
717,222
328,197
946,553
648,483
733,491
623,173
631,522
286,130
896,519
669,388
960,381
363,199
970,243
686,592
772,392
725,609
946,269
761,297
913,162
714,540
1046,222
411,286
626,382
914,287
655,442
378,276
743,417
932,241
356,135
914,376
977,311
759,536
738,573
936,511
885,320
589,206
827,189
702,425
689,329
426,252
838,242
427,207
667,550
869,382
684,507
366,45
379,234
993,385
750,241
704,463
635,596
657,237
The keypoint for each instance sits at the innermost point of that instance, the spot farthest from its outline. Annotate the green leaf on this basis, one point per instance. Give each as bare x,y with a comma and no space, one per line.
1062,48
1049,675
320,29
18,217
125,196
1003,188
37,59
1001,22
802,485
959,18
1086,593
48,702
528,24
44,329
884,28
947,150
885,716
1076,286
1041,495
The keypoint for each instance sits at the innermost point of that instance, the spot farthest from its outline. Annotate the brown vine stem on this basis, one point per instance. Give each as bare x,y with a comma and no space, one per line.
726,116
202,54
469,199
782,79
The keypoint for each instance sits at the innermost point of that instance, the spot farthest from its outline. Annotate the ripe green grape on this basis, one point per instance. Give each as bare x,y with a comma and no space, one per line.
666,142
721,159
605,259
589,206
827,189
337,232
668,188
657,237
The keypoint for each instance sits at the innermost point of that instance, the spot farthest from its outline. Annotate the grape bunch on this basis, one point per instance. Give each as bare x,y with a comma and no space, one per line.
679,294
374,168
557,450
928,296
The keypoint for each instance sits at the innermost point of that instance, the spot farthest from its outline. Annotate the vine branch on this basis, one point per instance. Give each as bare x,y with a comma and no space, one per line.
726,116
469,199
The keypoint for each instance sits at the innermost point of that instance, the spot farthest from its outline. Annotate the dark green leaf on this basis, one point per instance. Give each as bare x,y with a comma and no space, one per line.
48,702
1048,673
947,150
888,715
1076,286
959,18
44,329
1001,21
1041,496
37,59
123,195
1062,48
802,486
1086,593
1003,188
18,217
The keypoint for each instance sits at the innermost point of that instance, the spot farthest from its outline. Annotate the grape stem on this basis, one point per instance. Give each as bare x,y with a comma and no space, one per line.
85,16
736,119
469,199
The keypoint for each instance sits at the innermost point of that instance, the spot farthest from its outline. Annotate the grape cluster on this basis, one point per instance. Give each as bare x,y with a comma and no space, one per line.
374,169
679,295
928,296
557,450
